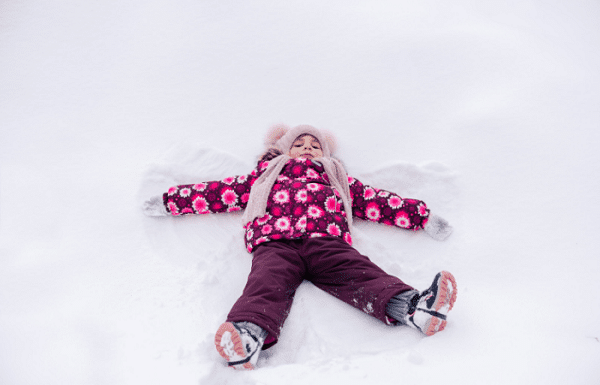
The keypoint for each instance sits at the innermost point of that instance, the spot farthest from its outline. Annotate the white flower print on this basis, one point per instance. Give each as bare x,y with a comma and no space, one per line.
199,186
301,224
266,229
242,178
229,197
314,211
331,204
282,224
281,197
229,180
249,234
334,229
402,220
384,194
369,193
373,212
185,192
173,208
313,186
301,196
348,238
395,202
200,205
172,191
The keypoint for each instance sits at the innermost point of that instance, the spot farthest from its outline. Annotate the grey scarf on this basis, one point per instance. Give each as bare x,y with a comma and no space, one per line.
259,194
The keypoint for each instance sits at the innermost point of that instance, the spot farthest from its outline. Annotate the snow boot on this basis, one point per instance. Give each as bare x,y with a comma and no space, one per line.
428,310
240,343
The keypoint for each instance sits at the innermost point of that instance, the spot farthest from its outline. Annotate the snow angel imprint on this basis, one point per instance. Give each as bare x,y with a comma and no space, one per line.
299,205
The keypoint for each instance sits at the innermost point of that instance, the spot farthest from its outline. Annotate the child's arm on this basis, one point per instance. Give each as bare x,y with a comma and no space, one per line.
383,206
387,207
227,195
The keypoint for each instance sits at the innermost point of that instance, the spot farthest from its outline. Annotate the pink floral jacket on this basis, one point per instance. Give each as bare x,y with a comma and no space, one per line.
301,204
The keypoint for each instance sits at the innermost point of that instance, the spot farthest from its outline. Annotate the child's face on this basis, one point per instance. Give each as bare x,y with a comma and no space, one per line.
306,146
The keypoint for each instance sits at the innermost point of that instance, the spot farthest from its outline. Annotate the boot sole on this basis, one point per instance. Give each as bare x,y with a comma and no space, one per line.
227,335
446,297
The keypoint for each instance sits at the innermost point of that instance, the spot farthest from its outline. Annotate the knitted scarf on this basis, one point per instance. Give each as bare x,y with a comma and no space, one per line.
259,194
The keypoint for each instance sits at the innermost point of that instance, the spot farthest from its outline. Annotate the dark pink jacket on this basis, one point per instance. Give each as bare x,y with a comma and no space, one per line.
301,204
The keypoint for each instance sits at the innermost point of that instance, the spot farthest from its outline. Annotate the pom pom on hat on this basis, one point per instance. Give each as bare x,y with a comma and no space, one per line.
275,133
330,140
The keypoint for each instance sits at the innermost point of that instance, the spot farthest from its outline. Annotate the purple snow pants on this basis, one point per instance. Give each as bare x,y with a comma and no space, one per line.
279,267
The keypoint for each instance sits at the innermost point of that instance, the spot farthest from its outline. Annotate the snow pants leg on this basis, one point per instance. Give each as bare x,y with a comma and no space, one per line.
331,264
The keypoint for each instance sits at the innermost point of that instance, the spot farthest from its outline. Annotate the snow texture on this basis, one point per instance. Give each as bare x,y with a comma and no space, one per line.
486,110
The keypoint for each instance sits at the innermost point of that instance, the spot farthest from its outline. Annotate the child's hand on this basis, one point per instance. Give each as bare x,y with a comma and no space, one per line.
154,207
437,228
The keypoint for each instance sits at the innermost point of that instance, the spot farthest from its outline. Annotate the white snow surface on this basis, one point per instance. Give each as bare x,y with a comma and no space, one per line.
487,110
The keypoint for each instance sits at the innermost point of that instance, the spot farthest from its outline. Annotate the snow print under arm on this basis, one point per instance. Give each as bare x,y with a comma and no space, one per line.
383,206
227,195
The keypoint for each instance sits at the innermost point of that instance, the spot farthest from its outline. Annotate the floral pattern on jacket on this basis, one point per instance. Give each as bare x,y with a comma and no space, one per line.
301,204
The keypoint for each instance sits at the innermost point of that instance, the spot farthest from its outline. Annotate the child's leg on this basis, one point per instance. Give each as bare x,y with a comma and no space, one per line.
277,271
342,271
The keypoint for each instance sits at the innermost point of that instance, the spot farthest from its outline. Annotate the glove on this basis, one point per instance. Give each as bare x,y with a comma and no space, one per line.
438,228
154,207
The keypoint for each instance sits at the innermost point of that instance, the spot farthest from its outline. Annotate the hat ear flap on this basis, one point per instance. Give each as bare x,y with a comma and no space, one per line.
275,133
331,142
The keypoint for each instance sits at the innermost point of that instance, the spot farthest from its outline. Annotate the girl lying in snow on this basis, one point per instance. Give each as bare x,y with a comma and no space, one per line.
299,204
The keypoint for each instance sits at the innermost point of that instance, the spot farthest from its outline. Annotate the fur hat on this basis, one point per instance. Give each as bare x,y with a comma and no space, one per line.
279,139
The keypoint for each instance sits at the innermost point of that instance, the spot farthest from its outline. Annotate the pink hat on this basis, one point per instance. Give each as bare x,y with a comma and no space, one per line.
281,137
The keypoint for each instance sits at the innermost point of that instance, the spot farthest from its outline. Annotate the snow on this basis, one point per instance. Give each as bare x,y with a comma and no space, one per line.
486,110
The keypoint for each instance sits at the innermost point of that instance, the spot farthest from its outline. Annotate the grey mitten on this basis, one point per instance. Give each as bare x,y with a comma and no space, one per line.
154,207
437,228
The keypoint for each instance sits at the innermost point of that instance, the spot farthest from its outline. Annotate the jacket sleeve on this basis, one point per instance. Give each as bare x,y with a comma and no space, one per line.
227,195
383,206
